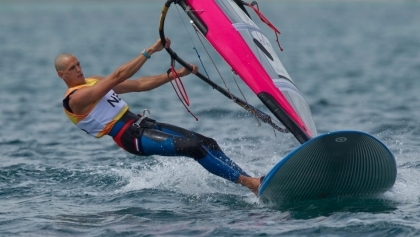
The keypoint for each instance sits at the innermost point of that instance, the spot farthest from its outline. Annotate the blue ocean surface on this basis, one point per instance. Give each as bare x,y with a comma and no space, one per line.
357,63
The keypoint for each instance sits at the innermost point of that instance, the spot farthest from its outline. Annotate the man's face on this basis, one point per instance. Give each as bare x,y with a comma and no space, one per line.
72,71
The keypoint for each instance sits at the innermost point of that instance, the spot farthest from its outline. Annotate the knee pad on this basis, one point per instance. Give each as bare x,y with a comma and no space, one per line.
189,147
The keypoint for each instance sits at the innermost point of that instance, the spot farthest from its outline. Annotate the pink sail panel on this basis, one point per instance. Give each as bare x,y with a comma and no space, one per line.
232,47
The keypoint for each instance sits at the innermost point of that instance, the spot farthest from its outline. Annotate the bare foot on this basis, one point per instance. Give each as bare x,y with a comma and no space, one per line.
252,183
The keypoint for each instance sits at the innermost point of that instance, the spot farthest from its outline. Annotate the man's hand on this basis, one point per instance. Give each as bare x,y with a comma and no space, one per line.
157,46
184,71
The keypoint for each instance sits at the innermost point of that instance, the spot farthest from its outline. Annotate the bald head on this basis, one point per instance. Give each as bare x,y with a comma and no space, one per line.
60,61
69,69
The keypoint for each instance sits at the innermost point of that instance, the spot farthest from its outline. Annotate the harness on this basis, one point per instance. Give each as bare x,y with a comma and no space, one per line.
143,117
129,128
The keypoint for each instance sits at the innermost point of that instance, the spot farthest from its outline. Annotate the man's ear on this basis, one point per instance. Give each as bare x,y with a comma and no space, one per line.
60,74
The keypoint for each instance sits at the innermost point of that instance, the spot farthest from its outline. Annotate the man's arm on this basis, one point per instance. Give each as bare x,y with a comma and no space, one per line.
81,100
150,82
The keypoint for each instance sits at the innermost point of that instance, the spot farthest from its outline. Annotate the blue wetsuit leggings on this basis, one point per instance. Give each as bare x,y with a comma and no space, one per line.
153,138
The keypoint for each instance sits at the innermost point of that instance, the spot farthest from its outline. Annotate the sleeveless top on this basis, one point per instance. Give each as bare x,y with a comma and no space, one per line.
102,114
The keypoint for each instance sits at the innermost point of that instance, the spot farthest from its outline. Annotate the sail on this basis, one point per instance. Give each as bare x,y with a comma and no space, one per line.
248,51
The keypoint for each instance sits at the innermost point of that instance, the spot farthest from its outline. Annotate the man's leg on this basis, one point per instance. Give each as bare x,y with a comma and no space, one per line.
209,143
156,142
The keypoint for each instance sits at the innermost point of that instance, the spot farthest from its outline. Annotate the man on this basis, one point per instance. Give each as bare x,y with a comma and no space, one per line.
93,105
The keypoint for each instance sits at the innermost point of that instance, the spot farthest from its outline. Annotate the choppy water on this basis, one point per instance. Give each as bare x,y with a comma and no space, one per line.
356,63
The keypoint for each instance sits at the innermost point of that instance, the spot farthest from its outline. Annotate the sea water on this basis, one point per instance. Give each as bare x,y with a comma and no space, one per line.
357,63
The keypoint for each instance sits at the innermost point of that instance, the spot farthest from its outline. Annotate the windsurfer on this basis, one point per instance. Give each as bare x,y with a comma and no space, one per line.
93,105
